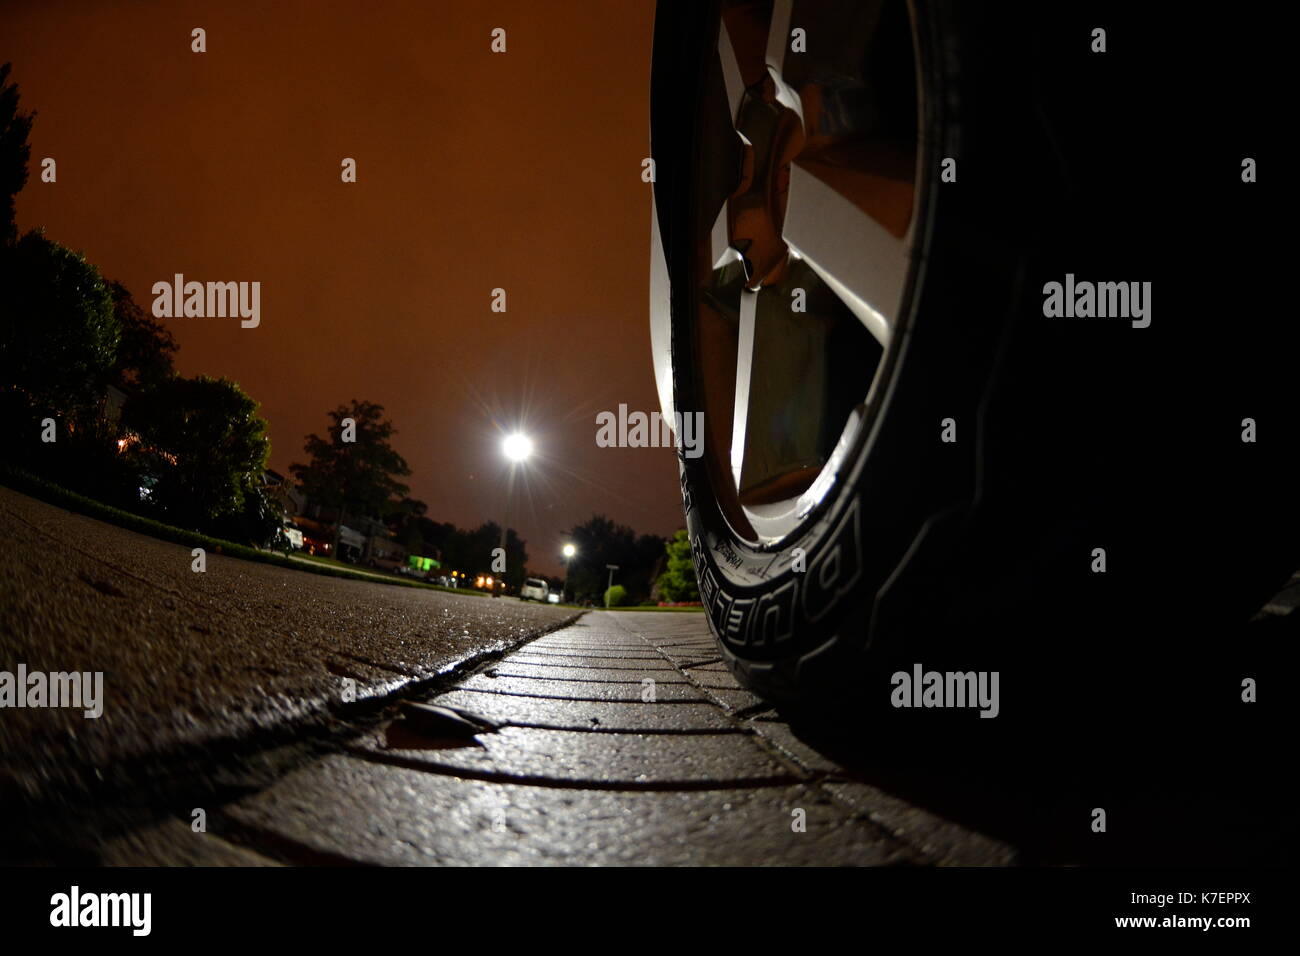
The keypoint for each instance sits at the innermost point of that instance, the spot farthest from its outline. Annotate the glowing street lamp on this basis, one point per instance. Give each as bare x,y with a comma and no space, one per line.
569,551
517,447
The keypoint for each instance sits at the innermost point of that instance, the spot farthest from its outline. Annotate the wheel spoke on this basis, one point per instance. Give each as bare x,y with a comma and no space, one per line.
805,196
852,253
744,374
722,148
721,252
731,76
660,313
778,35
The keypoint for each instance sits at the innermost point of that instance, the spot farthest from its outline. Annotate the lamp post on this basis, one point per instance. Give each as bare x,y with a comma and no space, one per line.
569,551
612,569
516,447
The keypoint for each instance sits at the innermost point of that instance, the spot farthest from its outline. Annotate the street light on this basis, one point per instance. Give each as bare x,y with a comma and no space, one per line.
516,447
612,569
569,551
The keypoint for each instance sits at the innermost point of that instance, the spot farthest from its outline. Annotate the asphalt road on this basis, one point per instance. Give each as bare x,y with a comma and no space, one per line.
190,658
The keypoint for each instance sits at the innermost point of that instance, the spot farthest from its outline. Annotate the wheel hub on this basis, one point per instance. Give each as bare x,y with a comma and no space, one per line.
771,135
804,186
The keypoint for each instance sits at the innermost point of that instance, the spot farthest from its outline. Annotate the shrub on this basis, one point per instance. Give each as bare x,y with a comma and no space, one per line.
677,584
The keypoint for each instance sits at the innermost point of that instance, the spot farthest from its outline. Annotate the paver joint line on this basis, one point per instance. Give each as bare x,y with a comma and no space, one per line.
577,700
552,783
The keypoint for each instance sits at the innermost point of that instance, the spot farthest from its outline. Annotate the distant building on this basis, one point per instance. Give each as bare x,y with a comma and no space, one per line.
381,549
352,544
110,407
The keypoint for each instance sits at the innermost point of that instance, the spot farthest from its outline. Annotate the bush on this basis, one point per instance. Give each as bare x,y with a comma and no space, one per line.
204,444
616,596
677,584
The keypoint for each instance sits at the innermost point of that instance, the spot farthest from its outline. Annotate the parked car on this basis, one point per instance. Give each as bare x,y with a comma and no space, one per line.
534,589
287,540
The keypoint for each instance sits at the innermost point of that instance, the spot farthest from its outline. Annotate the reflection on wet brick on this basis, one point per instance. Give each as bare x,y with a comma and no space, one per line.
389,815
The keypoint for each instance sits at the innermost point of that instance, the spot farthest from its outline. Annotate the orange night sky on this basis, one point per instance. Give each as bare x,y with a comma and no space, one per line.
475,171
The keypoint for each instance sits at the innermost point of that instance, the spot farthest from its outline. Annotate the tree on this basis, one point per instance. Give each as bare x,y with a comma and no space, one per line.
204,444
58,333
356,477
678,583
408,521
146,348
14,153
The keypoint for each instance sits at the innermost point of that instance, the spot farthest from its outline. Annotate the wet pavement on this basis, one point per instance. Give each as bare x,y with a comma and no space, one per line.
621,739
615,738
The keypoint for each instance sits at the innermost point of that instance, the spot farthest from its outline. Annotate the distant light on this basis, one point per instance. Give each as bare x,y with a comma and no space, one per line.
570,550
517,446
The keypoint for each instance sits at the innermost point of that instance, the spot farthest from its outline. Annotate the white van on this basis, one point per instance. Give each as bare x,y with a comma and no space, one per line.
534,589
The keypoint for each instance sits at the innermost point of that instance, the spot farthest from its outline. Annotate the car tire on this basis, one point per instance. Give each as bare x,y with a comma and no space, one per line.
1070,436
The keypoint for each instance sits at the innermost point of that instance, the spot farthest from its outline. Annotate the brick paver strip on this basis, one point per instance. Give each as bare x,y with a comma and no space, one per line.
593,635
629,760
678,717
690,660
389,815
596,663
589,646
580,690
582,771
638,647
602,663
660,675
645,654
